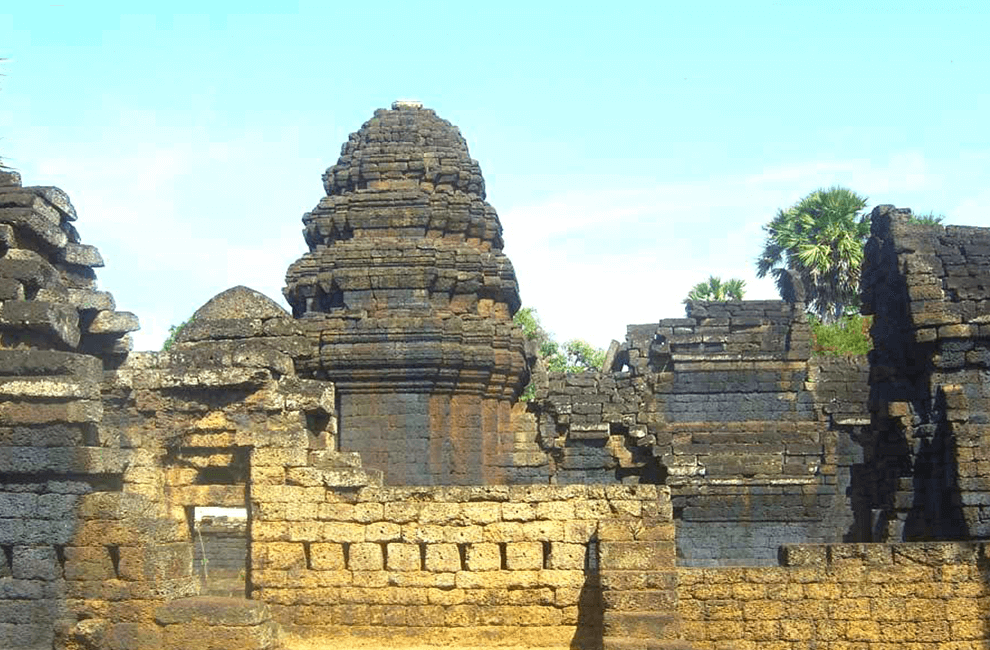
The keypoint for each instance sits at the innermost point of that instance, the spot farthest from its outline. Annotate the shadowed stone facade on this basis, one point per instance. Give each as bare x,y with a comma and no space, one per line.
929,447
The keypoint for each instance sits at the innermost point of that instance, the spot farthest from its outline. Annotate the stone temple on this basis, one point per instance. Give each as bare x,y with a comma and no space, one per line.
714,485
408,301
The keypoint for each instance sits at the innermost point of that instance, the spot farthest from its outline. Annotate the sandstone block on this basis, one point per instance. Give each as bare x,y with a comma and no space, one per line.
645,625
556,510
427,534
34,563
564,555
404,557
503,531
580,532
481,513
524,556
563,578
342,532
618,531
423,579
155,563
518,512
640,580
134,636
365,556
382,531
463,534
439,513
443,558
217,637
446,597
375,579
633,556
401,512
498,580
765,610
278,555
326,557
483,557
88,563
114,322
542,531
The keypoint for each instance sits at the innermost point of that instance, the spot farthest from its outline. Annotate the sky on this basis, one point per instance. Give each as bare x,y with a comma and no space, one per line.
631,150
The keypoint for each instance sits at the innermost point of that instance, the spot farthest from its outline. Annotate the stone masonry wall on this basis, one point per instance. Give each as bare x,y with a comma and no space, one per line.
929,288
755,437
923,596
86,556
471,565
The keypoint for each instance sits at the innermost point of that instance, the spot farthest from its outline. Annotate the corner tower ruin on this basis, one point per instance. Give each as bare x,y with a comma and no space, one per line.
408,300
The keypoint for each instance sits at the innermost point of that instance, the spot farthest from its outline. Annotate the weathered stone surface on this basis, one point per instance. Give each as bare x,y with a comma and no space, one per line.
114,322
58,323
215,610
928,288
239,303
81,255
406,292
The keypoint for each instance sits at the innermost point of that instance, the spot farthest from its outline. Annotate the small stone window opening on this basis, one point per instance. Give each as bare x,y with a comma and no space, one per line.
220,550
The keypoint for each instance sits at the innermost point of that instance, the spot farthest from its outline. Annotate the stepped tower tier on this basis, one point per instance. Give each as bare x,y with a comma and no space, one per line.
407,300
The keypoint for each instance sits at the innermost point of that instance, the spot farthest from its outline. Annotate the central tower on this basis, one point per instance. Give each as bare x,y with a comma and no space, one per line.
408,300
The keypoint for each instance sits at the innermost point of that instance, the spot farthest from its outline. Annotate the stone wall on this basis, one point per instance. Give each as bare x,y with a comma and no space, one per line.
928,458
756,438
473,565
86,555
840,596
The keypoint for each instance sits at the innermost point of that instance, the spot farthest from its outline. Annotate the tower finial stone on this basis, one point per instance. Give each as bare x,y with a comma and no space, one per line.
406,103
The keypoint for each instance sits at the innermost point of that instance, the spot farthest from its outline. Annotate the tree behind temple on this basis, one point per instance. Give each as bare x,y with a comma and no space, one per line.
820,238
715,289
574,356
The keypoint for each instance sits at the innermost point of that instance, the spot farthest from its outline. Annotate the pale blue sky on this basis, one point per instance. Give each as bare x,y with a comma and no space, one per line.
631,149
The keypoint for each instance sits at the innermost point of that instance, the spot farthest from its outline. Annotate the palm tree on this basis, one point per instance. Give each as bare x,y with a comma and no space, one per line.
715,289
820,239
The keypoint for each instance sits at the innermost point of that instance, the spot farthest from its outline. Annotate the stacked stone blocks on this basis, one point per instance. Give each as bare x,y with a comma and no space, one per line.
474,562
840,596
930,292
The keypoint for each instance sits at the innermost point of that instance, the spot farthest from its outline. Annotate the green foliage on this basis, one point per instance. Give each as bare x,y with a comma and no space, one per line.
173,334
529,321
849,335
930,219
820,238
574,355
715,289
580,355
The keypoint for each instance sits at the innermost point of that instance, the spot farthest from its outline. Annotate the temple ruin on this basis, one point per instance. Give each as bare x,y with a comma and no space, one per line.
379,480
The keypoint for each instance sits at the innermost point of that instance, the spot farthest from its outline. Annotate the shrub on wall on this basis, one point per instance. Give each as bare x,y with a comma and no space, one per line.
847,336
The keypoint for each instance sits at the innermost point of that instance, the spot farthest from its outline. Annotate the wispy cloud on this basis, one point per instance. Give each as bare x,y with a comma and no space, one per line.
594,262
